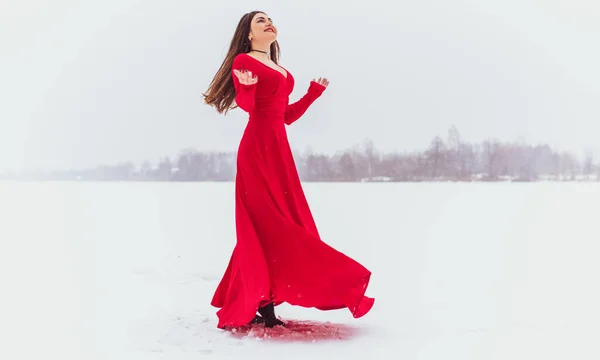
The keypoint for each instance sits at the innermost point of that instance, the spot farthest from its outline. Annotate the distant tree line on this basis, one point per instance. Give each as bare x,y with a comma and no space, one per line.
449,159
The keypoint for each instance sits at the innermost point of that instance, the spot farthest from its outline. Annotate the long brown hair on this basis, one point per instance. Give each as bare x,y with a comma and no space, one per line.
221,91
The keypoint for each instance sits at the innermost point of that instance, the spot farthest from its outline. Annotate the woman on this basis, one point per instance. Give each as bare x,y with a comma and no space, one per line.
279,256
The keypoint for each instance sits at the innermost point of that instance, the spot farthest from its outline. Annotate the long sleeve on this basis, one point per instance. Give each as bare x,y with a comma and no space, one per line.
294,111
244,94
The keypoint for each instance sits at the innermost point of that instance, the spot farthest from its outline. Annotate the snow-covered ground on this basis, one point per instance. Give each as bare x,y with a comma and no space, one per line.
460,271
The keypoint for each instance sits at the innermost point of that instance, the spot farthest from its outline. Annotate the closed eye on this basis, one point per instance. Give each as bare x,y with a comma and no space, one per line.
262,18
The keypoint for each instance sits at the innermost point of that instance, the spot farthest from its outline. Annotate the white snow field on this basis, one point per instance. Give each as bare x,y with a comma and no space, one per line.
460,271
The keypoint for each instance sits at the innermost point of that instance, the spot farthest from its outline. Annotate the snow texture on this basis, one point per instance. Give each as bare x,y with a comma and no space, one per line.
460,271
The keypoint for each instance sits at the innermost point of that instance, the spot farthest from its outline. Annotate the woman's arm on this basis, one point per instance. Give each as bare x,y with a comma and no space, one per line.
294,111
245,84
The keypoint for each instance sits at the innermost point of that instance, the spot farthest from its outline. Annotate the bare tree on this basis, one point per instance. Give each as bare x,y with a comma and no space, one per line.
372,157
588,164
454,156
164,170
492,154
435,156
346,166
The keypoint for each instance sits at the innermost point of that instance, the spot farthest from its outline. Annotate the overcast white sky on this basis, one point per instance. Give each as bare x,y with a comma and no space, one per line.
89,82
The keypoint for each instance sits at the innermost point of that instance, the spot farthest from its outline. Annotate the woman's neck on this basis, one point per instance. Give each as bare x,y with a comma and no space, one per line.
262,50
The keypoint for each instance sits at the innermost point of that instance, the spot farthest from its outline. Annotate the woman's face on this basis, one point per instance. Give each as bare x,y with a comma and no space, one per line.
262,29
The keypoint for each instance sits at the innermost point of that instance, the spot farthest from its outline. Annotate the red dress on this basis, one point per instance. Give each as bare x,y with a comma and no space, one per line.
279,255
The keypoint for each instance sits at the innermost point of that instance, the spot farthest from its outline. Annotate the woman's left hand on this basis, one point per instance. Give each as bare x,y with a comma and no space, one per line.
322,81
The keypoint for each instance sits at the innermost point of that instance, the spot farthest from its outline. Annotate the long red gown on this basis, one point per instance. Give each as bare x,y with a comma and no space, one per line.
279,255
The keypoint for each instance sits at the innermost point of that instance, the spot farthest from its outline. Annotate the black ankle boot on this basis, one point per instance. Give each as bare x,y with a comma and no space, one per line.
268,314
257,320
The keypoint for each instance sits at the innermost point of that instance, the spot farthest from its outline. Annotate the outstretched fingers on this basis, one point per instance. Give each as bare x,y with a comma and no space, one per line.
322,81
245,77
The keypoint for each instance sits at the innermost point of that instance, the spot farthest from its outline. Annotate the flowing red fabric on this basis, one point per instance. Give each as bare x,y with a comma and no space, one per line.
279,256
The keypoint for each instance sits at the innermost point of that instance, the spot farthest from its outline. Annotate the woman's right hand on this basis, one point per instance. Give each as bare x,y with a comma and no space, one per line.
245,77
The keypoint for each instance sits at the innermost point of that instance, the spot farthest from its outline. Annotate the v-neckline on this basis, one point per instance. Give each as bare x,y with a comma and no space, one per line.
280,73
